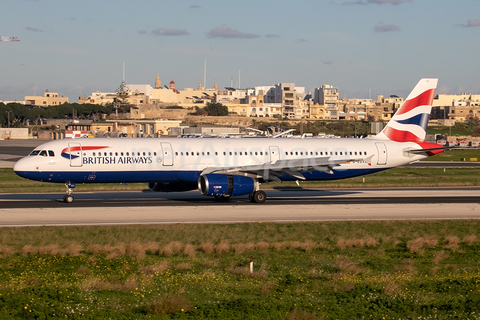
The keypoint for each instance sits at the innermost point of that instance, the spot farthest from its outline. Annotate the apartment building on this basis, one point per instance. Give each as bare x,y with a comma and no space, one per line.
48,99
457,107
327,96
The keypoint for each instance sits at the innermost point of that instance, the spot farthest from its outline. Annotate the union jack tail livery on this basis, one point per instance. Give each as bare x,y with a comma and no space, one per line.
409,124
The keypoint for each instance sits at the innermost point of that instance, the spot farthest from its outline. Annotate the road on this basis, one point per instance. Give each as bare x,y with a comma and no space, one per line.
114,208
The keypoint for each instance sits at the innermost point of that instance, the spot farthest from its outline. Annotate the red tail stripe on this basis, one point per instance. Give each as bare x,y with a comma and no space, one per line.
424,99
401,136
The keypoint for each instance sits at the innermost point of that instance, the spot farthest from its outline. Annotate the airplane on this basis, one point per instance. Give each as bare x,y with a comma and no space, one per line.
225,168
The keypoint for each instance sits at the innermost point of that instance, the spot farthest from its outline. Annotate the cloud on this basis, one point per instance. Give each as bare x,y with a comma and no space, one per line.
366,2
169,32
226,32
300,41
272,36
471,23
194,6
327,62
33,29
382,27
142,32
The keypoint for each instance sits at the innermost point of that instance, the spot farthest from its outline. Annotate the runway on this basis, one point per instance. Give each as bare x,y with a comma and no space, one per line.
116,208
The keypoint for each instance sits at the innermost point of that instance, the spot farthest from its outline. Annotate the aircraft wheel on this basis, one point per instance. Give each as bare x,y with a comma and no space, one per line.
250,197
68,198
259,196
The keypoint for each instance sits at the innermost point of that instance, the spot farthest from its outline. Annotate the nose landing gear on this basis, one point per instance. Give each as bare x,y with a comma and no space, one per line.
68,198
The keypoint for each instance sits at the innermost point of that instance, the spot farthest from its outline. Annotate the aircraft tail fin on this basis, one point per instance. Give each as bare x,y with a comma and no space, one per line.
409,123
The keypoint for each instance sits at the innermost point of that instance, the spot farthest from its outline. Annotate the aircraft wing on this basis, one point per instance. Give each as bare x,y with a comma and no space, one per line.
292,167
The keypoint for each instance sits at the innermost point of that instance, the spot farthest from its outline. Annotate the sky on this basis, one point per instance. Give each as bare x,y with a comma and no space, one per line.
362,47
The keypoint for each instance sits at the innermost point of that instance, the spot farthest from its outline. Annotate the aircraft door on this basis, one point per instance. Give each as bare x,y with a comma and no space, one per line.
274,154
75,152
382,153
167,154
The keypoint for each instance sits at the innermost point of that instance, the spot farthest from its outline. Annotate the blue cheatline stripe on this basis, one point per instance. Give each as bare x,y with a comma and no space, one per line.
166,176
419,120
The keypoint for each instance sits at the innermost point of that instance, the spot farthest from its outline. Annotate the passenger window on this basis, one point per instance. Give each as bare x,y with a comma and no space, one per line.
266,153
230,152
94,154
216,153
144,154
256,153
121,153
51,153
176,153
203,153
261,153
116,154
286,153
127,154
154,153
198,153
186,153
43,153
35,152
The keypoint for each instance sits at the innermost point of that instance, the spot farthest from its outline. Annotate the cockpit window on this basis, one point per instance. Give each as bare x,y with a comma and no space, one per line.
51,153
43,153
35,153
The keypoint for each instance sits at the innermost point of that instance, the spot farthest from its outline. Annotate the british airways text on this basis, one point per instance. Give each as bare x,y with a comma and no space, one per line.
116,160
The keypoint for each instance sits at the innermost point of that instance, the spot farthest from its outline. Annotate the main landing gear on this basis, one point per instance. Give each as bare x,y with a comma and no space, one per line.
258,196
68,198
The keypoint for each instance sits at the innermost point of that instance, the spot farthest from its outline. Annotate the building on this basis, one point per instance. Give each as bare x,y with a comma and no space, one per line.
457,107
48,99
129,128
327,96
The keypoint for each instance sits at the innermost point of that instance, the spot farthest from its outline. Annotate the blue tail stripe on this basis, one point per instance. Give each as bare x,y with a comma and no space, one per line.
419,120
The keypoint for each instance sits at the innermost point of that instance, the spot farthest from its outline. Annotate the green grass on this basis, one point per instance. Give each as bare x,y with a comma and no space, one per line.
324,270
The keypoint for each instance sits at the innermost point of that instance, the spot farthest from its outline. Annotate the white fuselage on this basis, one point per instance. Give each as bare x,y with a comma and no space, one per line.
174,159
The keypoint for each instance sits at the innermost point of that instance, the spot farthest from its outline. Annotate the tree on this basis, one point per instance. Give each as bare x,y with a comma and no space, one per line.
122,93
216,109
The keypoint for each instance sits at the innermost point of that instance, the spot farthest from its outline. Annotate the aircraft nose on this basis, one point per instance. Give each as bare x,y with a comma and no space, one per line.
22,166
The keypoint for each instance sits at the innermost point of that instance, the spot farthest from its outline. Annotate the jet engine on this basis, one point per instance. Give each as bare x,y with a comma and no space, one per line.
225,185
172,186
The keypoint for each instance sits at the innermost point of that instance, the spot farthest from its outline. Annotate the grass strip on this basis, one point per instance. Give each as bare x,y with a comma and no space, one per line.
323,270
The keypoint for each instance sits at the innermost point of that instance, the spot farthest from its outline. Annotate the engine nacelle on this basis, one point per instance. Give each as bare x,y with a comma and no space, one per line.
214,184
172,186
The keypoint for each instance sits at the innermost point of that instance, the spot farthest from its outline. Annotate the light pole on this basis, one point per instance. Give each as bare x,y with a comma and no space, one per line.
8,123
